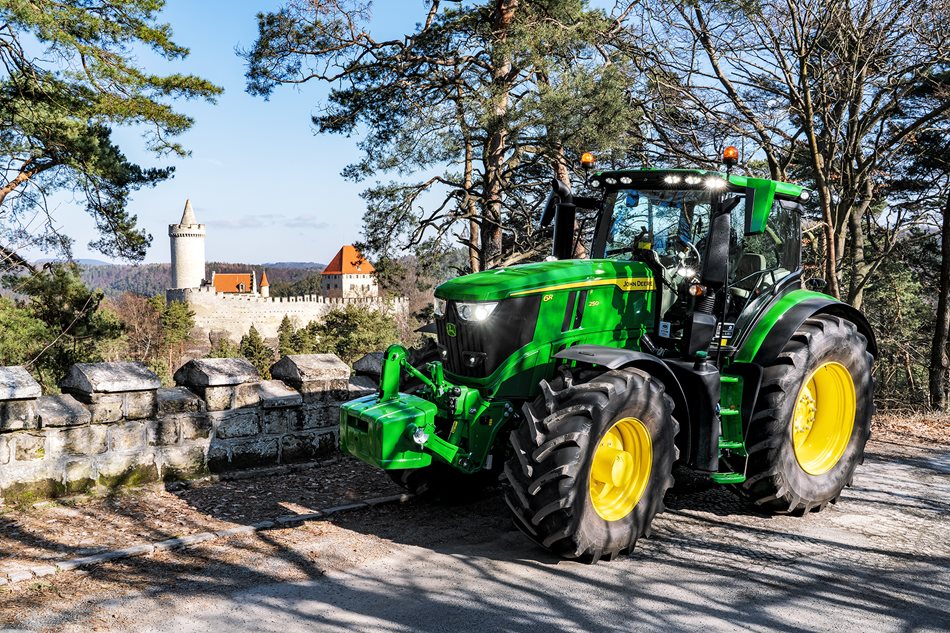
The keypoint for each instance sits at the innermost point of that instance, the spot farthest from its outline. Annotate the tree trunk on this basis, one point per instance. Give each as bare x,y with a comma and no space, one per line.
939,361
496,142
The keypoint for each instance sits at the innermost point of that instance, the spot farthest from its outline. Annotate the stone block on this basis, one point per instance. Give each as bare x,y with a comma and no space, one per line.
17,415
360,386
217,398
194,427
370,365
275,393
162,432
219,457
128,437
120,471
298,369
83,440
246,395
318,416
178,400
182,462
140,405
88,378
261,452
215,372
62,410
4,450
105,408
279,421
29,446
80,476
307,447
16,383
230,424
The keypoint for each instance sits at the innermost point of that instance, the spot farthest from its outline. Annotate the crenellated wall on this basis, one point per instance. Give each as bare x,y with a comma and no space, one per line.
114,425
236,313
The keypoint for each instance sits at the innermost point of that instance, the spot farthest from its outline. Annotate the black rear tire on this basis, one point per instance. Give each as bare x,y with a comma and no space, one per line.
777,481
549,491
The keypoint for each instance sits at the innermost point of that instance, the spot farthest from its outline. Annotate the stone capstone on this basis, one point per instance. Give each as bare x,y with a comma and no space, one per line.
88,378
61,410
16,383
178,400
360,386
370,365
16,415
215,372
297,369
274,393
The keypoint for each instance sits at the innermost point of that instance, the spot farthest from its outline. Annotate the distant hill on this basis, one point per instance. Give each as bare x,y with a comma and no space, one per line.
81,262
153,279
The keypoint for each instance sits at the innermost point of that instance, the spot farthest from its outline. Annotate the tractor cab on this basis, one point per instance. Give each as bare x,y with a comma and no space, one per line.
664,217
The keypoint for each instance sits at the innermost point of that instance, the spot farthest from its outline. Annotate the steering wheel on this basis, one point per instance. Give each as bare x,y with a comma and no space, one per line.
689,261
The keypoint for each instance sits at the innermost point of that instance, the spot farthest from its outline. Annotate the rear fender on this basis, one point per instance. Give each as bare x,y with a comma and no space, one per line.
782,319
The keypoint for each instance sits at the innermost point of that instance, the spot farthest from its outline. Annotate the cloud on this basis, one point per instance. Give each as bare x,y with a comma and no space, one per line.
269,220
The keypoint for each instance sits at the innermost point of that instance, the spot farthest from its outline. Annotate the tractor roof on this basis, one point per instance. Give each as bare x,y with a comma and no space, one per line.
763,190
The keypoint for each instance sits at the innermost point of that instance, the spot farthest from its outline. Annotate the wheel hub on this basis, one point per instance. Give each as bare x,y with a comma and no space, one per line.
823,420
620,469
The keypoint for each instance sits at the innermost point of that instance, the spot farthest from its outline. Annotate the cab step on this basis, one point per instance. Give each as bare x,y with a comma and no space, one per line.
727,478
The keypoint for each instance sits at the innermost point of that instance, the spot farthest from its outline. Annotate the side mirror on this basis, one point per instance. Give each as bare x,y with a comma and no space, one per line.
559,193
816,284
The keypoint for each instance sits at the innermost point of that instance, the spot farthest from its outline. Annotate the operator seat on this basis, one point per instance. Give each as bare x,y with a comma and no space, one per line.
746,267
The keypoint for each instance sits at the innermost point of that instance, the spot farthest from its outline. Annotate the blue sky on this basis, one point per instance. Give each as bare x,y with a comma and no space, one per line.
268,188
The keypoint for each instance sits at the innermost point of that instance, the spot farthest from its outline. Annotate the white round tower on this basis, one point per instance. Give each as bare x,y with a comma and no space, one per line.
188,250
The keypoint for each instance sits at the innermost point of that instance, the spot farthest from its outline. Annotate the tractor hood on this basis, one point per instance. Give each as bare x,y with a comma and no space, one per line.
545,277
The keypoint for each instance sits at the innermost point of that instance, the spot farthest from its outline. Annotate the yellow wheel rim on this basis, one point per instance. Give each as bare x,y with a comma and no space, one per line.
824,418
621,469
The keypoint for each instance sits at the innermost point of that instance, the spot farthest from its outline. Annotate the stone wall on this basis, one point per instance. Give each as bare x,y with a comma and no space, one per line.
114,425
234,314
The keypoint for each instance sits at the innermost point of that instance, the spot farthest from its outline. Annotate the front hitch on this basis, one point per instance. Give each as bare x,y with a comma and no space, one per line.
394,430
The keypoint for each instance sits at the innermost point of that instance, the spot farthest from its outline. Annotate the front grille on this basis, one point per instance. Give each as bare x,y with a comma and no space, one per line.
510,327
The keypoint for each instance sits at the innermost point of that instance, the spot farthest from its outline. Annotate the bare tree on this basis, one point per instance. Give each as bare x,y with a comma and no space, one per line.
830,92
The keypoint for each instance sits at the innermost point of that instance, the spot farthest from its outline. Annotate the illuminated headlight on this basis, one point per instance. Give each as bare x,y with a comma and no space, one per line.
804,195
595,183
672,180
610,181
625,180
693,180
715,183
475,311
439,307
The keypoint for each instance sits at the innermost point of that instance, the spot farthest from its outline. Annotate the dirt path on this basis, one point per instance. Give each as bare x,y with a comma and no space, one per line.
878,561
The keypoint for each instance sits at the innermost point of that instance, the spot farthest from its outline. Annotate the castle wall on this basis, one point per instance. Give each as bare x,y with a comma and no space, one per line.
235,314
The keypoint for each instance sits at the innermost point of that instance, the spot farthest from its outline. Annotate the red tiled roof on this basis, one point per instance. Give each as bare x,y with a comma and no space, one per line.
264,281
348,261
228,282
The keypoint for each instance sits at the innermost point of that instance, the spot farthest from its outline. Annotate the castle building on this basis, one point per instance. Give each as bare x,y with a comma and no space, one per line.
349,276
229,304
188,250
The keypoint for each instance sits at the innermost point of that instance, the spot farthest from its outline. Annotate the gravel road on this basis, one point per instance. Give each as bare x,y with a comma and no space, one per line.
878,561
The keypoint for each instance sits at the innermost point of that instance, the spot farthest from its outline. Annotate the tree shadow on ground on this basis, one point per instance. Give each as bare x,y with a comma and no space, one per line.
453,568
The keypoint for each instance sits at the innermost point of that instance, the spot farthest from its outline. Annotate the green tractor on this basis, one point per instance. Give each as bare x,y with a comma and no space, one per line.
685,337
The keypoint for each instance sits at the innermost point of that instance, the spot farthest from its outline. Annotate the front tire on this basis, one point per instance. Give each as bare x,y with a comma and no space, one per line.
812,418
591,463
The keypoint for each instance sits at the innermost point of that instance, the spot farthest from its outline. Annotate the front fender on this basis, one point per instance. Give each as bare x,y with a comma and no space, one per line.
779,322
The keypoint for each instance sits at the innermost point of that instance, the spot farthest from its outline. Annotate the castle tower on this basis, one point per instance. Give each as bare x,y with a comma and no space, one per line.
188,250
265,285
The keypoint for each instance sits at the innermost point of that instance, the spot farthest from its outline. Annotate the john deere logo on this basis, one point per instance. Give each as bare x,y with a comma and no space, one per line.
450,329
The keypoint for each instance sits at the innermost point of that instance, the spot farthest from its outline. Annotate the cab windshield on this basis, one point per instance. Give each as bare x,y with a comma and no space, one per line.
672,224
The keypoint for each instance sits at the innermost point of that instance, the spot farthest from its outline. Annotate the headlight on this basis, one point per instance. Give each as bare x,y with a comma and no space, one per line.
439,307
475,311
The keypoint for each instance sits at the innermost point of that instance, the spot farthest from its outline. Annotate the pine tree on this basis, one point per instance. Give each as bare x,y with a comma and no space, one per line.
255,350
69,73
286,338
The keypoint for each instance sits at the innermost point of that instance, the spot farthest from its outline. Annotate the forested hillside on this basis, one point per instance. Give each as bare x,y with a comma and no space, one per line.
152,279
